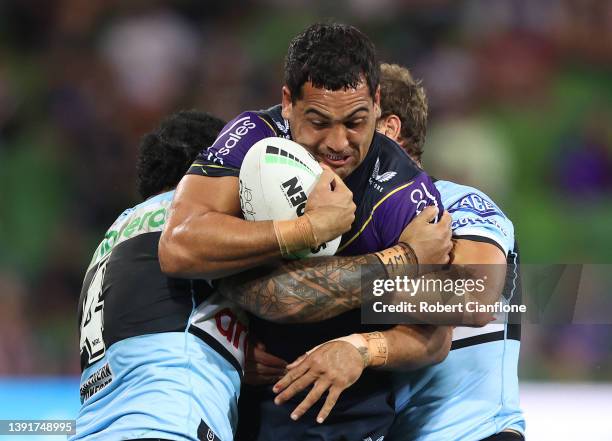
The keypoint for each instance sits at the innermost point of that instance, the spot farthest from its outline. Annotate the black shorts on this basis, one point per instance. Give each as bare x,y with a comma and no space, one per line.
364,410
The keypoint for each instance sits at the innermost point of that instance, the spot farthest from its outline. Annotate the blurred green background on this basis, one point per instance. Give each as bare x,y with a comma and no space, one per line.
521,107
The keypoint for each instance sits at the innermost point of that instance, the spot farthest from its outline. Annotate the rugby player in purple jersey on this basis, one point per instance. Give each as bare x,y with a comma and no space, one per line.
330,105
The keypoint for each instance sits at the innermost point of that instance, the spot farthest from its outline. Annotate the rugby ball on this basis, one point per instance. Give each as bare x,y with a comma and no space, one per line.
276,177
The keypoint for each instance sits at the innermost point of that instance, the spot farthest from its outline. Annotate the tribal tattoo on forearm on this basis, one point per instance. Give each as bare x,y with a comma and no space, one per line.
303,290
309,290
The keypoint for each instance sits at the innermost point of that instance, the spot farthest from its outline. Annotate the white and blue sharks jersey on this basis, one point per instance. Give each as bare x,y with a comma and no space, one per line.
160,357
473,393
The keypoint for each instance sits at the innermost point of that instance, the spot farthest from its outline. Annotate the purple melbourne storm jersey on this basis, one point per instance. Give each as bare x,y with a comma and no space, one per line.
389,190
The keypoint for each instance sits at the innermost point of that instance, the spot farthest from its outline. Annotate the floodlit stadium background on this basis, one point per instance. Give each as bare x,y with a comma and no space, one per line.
521,107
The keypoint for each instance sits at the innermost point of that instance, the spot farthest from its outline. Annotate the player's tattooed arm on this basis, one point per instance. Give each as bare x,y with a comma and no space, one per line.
311,290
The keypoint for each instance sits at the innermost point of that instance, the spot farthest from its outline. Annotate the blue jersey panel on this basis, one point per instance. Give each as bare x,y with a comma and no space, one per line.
158,386
472,395
475,214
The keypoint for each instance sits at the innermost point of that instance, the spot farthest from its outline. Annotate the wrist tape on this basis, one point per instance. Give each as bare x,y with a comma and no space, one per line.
295,235
372,346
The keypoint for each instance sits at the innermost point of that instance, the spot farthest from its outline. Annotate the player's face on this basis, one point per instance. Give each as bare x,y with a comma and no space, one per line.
335,126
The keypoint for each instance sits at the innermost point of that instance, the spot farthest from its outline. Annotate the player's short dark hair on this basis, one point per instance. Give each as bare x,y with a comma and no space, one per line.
403,96
333,56
166,153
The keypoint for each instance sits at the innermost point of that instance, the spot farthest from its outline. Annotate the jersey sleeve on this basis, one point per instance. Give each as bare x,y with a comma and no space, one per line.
225,156
400,205
476,217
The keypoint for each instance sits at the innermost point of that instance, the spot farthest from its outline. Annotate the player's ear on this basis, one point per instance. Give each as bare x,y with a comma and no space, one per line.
391,126
286,103
377,111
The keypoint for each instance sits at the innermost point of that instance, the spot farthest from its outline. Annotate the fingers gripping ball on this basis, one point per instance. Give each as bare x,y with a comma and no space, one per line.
276,177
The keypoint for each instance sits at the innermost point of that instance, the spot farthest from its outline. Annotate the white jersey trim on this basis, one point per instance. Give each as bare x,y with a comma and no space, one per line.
460,333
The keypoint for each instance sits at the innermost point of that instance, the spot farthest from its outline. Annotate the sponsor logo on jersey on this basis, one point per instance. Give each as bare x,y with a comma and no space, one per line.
421,196
230,137
96,382
378,178
294,192
474,203
231,328
217,317
150,220
476,222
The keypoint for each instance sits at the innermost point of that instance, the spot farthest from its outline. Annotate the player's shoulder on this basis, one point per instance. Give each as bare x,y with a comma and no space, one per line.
467,199
269,120
389,175
159,199
148,216
274,118
242,126
390,189
225,156
475,214
106,245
